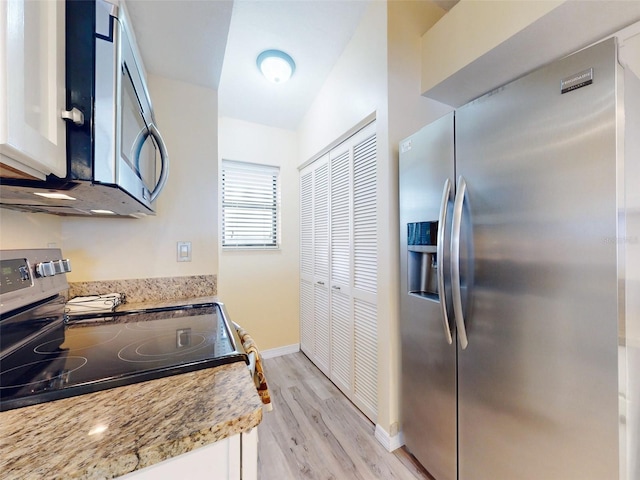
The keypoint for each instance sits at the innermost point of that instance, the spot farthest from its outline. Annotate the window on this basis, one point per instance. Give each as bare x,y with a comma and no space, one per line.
250,205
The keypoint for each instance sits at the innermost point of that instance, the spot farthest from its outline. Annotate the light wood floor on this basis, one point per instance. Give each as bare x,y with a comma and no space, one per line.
315,432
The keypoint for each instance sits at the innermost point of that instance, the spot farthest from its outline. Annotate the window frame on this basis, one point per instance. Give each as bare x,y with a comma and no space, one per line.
230,170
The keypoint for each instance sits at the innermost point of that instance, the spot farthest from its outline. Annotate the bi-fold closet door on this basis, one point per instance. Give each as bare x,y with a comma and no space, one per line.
314,262
338,267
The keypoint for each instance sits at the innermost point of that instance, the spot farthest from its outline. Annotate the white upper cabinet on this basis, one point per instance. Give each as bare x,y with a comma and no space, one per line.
32,88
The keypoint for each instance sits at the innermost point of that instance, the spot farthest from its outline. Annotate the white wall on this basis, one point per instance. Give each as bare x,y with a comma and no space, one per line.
355,88
408,112
379,72
29,230
260,287
121,248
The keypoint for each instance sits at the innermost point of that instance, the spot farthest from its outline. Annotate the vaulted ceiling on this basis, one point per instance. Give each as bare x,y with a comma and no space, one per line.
214,43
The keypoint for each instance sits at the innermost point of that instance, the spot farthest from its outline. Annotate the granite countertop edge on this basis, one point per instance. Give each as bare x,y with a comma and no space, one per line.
63,439
57,440
153,304
145,456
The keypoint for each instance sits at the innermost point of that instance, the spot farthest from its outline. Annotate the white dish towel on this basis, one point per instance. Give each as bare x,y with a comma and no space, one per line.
94,303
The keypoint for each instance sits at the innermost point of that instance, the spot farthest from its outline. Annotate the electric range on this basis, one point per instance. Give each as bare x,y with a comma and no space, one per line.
46,355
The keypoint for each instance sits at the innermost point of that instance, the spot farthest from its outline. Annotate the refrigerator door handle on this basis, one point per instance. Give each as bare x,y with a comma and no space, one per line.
440,252
461,191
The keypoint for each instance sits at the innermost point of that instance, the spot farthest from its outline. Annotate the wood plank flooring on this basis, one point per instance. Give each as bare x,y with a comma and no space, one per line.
315,432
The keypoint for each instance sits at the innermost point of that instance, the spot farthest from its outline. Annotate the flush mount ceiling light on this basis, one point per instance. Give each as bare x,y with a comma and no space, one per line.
276,66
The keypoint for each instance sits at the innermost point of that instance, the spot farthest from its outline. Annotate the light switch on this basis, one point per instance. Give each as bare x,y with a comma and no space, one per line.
184,251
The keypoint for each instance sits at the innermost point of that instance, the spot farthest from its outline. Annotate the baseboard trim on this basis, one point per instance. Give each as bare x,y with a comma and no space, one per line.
389,442
279,351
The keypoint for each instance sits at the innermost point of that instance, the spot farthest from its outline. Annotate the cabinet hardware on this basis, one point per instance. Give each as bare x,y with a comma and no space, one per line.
75,115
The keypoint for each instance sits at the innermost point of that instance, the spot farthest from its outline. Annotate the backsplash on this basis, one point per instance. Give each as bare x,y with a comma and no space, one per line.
150,289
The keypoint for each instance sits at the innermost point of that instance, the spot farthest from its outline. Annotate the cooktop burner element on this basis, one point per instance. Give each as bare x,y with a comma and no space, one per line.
92,354
93,338
47,377
163,347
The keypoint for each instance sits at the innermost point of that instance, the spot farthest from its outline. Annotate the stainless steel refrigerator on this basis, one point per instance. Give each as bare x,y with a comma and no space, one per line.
511,303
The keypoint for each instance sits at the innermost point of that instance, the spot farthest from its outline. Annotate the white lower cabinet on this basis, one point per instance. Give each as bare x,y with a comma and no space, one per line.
234,458
338,267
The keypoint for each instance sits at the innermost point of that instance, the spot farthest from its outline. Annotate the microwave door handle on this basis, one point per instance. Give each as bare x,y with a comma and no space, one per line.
164,161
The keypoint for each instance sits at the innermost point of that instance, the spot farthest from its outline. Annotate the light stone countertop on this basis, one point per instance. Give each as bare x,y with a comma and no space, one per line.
150,289
113,432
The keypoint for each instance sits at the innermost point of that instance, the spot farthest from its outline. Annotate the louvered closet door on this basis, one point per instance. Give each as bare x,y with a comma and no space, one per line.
365,272
341,306
307,328
321,265
338,264
314,258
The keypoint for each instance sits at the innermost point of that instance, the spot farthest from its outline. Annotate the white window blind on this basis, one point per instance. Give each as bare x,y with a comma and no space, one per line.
250,205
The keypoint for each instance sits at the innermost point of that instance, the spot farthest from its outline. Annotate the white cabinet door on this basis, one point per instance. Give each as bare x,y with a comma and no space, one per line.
234,458
219,461
249,455
32,81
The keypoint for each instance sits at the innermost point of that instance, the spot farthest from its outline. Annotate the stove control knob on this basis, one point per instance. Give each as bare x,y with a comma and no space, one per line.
45,269
66,265
57,267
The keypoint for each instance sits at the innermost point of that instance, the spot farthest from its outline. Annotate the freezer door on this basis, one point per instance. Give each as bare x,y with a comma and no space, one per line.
428,359
538,380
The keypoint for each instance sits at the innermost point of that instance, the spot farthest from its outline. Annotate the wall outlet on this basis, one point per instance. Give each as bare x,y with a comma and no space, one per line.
184,252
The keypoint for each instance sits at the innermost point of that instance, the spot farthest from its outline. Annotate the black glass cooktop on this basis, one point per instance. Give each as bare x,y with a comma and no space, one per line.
91,354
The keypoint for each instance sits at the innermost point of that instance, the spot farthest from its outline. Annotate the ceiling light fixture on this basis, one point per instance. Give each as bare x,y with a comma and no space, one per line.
276,66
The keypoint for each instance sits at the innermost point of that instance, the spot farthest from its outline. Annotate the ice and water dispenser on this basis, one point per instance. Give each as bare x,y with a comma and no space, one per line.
422,259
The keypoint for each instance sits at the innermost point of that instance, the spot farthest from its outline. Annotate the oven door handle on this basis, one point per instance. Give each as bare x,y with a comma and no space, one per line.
164,161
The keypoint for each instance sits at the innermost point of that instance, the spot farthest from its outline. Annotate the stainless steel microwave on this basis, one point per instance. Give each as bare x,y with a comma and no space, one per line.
117,162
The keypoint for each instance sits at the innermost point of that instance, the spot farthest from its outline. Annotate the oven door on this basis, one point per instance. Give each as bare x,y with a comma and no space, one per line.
142,153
